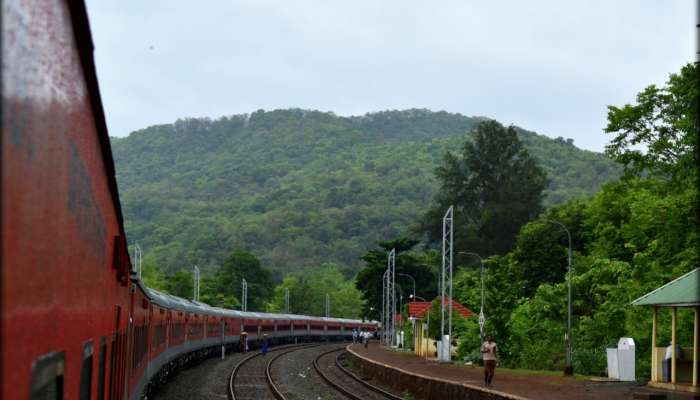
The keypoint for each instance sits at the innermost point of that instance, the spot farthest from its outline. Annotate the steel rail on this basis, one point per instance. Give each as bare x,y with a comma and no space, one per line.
268,370
237,368
368,385
343,389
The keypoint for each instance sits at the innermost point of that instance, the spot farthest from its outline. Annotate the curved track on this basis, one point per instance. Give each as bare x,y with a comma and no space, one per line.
251,378
343,380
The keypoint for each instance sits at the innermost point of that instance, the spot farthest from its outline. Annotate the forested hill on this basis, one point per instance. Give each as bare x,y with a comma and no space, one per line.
300,188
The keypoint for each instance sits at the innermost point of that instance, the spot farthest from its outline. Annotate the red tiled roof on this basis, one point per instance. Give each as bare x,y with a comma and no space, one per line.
418,308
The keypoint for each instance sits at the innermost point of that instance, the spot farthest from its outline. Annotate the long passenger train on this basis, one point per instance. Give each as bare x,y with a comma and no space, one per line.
76,324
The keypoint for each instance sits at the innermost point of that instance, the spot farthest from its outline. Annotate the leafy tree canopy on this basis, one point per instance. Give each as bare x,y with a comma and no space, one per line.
416,266
307,293
495,187
227,280
301,187
657,135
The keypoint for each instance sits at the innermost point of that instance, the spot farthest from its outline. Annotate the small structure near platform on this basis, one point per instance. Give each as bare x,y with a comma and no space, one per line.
621,360
419,311
683,292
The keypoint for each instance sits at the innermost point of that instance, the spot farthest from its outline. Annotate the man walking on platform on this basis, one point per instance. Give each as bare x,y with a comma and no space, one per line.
354,335
489,353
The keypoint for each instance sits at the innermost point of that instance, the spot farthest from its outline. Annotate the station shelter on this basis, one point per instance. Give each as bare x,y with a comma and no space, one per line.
419,312
683,292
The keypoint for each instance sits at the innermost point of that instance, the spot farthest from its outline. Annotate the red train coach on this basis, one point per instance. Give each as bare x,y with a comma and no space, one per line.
74,322
65,267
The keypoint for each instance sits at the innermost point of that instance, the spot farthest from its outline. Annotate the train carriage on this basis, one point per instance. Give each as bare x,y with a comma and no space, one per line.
283,331
66,268
301,327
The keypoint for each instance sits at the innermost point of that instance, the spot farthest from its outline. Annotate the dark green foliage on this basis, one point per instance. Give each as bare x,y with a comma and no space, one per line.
302,188
369,279
630,238
180,284
308,289
664,122
495,187
226,283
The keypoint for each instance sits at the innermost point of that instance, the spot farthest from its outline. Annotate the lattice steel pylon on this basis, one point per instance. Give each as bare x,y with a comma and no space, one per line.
138,258
244,295
387,307
196,283
447,237
390,305
383,317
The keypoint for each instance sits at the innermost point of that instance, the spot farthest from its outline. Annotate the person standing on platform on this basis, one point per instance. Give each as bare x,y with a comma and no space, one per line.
354,335
365,338
666,366
265,345
243,342
489,353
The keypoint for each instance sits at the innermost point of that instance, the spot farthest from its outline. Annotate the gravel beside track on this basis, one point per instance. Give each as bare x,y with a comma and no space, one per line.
207,380
327,364
292,372
347,364
250,380
294,375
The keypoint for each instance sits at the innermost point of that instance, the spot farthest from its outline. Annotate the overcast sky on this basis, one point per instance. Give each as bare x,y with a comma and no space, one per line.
548,66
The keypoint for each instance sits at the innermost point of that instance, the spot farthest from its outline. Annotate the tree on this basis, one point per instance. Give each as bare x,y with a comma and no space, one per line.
541,250
369,279
663,123
152,274
226,281
180,284
308,289
495,187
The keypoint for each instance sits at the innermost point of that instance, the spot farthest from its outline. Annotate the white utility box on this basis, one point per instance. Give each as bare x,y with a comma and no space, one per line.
621,360
444,351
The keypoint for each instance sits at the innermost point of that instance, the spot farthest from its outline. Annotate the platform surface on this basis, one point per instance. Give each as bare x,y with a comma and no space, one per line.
528,385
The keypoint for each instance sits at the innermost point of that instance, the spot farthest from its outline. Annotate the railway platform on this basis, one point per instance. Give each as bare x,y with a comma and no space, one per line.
428,379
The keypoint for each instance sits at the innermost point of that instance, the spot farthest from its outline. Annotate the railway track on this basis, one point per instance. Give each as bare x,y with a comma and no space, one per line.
345,381
252,377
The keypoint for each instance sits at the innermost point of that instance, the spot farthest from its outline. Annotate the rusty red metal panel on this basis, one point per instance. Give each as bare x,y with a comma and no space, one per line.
60,210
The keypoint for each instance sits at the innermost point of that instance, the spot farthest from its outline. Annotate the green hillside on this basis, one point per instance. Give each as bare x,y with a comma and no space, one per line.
300,188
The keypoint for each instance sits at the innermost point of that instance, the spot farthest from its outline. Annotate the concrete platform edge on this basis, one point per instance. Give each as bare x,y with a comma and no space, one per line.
490,393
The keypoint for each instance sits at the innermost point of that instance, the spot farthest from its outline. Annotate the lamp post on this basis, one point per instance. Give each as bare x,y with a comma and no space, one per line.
414,281
413,296
568,370
482,318
286,300
401,307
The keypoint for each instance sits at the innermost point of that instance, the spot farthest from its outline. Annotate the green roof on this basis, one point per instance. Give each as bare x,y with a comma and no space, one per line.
684,291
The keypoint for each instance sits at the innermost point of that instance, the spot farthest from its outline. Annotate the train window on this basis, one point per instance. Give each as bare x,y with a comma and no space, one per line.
101,371
86,372
47,377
